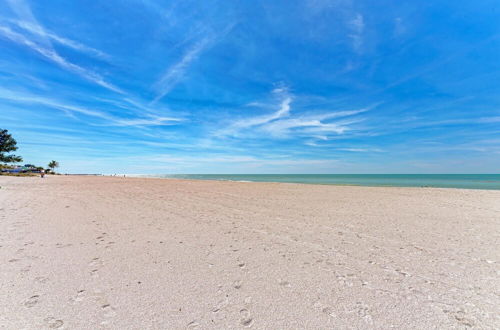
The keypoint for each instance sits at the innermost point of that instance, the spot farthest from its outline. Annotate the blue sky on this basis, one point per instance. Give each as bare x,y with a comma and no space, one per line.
317,86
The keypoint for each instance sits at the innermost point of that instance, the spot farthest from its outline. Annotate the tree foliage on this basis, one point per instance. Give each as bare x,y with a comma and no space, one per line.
53,164
8,144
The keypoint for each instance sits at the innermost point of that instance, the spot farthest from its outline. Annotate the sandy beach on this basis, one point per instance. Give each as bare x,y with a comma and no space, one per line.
129,253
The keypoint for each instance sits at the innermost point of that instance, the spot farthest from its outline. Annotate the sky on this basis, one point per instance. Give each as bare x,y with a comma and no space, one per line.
312,86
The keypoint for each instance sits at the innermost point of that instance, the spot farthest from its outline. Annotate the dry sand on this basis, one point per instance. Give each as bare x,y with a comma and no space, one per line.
97,252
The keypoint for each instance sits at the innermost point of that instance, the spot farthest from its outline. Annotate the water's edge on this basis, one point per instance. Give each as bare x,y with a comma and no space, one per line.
463,181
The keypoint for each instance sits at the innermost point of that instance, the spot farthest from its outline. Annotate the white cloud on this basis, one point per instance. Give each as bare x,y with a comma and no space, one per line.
23,10
360,149
41,44
173,75
282,89
282,124
357,27
339,127
54,57
215,163
38,30
283,111
27,98
283,128
71,110
151,121
236,127
486,120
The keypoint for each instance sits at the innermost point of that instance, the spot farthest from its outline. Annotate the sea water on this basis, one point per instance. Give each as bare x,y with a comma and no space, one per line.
468,181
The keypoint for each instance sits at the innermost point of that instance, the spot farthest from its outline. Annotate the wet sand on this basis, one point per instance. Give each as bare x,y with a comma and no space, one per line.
127,253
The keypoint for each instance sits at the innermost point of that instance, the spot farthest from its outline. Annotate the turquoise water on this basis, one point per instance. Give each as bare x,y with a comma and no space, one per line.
469,181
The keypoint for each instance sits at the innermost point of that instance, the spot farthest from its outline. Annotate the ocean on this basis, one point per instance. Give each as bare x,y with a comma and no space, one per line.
468,181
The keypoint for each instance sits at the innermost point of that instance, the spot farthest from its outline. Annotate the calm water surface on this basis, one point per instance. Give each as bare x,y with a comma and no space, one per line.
469,181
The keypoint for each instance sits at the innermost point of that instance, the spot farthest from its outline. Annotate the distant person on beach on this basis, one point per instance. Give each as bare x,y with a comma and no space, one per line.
42,173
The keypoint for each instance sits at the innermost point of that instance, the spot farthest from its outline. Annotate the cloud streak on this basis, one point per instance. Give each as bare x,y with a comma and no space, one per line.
43,46
357,27
173,75
71,110
283,111
281,123
54,57
39,31
182,162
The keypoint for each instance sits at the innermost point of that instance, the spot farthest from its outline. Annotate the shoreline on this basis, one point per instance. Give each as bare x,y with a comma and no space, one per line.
141,176
130,176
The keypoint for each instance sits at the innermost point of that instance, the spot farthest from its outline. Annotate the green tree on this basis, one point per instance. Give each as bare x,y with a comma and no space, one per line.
8,144
53,164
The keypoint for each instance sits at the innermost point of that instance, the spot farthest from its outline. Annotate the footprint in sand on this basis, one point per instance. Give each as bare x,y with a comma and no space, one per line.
284,283
95,264
246,319
100,297
53,323
363,311
62,246
101,237
109,245
41,279
461,317
31,301
326,309
192,325
108,310
80,295
220,305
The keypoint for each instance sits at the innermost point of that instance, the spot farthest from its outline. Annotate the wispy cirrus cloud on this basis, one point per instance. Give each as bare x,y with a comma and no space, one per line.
72,110
173,75
361,149
23,11
148,121
54,57
41,44
238,126
221,162
175,72
39,31
19,97
357,27
283,111
309,125
282,123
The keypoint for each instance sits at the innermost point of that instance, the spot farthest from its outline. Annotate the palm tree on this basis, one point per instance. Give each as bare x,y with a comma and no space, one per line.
53,164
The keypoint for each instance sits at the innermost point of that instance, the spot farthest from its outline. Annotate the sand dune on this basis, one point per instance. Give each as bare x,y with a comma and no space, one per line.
124,253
